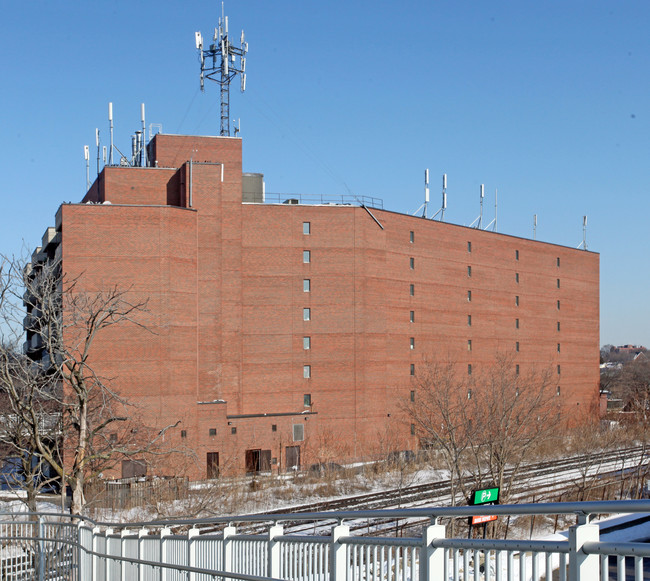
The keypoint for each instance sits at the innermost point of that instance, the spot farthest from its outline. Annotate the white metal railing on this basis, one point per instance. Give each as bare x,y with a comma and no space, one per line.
56,548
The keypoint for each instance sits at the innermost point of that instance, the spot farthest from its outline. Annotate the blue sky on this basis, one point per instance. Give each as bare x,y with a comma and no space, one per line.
546,101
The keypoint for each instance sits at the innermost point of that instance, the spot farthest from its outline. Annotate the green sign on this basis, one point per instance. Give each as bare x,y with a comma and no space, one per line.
485,496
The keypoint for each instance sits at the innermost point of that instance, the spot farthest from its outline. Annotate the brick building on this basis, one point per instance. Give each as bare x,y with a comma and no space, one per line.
280,333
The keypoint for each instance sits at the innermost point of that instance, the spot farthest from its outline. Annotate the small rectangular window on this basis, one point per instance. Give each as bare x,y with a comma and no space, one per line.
412,290
469,394
469,296
469,344
412,237
306,399
412,368
558,305
557,391
412,429
558,283
469,246
517,346
412,342
558,325
233,430
112,438
306,371
557,261
469,369
306,314
183,433
274,427
306,228
306,256
516,323
558,347
412,263
298,432
412,395
469,320
517,300
212,431
558,370
469,271
306,285
517,277
516,254
306,343
516,369
412,316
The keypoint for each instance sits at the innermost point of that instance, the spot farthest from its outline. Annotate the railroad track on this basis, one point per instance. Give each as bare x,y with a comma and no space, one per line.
544,481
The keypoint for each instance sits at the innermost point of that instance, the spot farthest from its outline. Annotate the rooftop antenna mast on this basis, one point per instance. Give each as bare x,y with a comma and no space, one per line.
110,122
583,244
494,222
535,227
479,220
444,199
87,158
218,63
426,192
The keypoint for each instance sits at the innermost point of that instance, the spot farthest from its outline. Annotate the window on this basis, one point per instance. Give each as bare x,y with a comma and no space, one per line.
412,341
469,344
469,371
559,370
469,296
517,346
469,246
233,430
558,305
306,256
557,261
306,314
557,391
516,323
412,429
469,271
183,433
306,400
517,277
412,263
298,432
558,283
516,254
412,368
306,228
412,237
274,427
306,343
306,285
516,369
306,371
412,290
412,395
517,300
412,316
469,320
469,394
112,438
213,431
558,325
558,347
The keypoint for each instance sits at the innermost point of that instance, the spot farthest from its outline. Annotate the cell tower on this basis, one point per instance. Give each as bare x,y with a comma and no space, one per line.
218,63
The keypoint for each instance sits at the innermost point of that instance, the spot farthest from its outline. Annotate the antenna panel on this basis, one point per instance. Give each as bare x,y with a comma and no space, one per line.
86,153
198,40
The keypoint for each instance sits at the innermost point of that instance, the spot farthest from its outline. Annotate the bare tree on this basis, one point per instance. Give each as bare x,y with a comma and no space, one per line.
484,425
98,428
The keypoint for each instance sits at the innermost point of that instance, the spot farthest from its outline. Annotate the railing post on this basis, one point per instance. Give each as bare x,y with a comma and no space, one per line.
141,534
432,559
95,558
107,552
191,547
228,564
164,557
339,554
583,567
123,537
41,548
274,553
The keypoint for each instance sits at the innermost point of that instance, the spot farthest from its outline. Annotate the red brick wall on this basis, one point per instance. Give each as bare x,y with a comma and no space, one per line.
225,288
